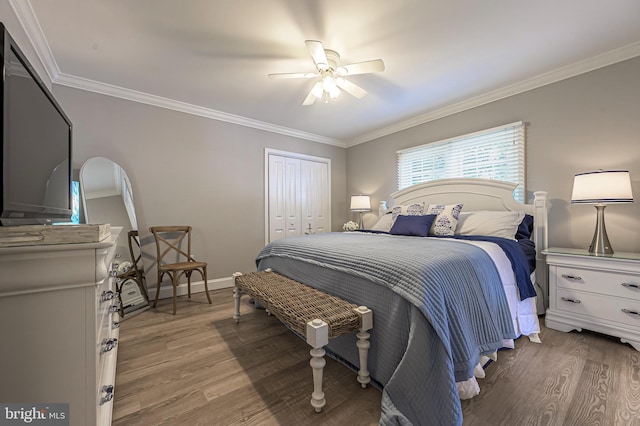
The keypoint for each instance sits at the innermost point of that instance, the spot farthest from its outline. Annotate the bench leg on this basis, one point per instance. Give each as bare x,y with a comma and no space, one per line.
317,338
363,343
237,294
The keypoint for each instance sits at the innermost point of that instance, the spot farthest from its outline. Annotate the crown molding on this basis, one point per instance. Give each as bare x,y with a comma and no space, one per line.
608,58
146,98
27,18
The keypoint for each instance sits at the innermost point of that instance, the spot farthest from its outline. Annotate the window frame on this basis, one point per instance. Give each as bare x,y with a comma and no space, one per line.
496,153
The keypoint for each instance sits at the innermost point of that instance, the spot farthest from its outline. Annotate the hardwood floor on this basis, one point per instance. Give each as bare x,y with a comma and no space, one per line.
201,368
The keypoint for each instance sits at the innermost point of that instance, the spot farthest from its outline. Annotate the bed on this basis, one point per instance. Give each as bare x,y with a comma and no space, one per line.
442,304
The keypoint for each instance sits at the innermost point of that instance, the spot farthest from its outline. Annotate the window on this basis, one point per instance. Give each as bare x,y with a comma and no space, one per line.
496,153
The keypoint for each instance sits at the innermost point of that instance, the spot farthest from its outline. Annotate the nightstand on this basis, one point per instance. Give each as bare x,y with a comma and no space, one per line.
599,293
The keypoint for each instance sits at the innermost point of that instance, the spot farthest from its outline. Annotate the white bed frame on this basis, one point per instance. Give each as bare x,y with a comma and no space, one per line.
493,195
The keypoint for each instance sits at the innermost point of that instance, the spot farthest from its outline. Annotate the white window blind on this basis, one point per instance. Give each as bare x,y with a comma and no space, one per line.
496,153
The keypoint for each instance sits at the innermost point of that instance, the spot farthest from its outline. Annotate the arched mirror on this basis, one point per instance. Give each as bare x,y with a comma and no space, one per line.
107,198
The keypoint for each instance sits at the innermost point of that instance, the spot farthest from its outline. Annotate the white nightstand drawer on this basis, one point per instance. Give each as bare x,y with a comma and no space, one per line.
598,306
609,283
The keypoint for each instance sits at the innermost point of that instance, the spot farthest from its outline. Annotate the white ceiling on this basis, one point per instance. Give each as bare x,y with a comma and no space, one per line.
212,57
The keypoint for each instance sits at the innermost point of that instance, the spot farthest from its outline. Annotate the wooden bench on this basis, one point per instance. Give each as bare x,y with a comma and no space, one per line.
313,314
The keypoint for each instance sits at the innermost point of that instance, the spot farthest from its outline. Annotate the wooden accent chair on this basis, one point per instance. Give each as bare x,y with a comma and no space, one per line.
168,241
136,257
135,273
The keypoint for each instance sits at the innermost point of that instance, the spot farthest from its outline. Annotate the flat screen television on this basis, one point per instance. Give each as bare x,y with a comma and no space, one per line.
36,145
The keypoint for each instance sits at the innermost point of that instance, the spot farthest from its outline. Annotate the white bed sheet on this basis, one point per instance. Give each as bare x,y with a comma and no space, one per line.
523,313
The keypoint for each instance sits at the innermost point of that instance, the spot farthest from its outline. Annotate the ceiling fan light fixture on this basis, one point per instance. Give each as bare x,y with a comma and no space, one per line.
317,90
331,83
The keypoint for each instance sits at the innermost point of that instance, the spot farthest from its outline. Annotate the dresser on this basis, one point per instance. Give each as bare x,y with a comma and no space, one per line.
59,327
599,293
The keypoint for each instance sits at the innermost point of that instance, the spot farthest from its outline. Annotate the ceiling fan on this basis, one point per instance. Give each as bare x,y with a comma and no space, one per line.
331,74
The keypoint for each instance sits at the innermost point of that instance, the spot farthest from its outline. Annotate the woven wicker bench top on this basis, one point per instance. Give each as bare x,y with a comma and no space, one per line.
296,304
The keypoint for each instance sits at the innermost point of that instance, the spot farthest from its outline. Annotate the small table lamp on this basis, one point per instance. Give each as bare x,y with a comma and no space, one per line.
601,188
360,203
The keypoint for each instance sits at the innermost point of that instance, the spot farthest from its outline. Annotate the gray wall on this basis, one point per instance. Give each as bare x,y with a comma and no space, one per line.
186,169
585,123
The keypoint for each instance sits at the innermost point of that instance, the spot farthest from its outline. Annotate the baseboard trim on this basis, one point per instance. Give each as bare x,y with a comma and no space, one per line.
166,291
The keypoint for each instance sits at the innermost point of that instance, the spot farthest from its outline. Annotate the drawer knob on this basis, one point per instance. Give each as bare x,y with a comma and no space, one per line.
108,295
566,299
572,277
630,285
630,312
109,344
108,391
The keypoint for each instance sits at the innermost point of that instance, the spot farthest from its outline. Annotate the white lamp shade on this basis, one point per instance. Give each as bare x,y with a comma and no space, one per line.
360,203
602,187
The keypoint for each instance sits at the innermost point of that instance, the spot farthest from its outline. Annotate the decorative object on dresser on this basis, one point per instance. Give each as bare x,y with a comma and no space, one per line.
169,240
59,327
33,235
107,196
599,293
360,203
601,187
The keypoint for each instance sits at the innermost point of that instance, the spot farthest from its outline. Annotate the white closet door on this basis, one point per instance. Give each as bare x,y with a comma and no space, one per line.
284,196
314,192
298,195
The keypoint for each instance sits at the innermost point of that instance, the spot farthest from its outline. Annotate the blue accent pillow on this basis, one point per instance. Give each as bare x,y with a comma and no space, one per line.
416,226
525,228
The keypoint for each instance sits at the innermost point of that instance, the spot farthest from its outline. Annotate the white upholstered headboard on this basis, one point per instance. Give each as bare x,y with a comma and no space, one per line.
487,194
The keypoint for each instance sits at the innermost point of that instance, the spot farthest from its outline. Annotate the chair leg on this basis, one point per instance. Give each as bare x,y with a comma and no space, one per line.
188,274
119,291
155,302
175,289
206,286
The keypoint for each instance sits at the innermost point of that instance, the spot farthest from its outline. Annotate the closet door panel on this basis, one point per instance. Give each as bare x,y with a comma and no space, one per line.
298,196
314,194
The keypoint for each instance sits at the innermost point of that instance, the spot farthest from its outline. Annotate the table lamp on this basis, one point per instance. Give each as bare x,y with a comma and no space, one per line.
360,203
601,187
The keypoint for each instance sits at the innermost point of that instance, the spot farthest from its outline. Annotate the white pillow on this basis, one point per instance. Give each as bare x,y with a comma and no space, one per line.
446,220
384,223
490,223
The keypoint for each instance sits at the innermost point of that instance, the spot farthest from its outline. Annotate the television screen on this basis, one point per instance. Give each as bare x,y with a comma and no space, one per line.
36,153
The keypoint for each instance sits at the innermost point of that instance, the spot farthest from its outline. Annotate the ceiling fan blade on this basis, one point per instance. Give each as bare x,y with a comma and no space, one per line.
351,88
375,65
316,50
277,76
315,93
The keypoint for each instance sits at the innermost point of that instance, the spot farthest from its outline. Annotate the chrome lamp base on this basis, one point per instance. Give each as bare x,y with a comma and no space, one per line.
360,222
600,243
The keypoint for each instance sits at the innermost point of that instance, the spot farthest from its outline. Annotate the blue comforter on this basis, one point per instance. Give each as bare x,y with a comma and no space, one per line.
438,305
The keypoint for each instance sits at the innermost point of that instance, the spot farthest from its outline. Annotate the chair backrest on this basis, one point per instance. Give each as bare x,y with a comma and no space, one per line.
169,242
136,253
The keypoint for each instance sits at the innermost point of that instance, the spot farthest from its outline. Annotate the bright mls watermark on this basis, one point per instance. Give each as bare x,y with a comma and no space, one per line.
34,414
